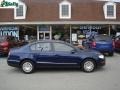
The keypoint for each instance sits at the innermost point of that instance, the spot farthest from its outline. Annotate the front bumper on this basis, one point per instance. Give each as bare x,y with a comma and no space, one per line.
101,62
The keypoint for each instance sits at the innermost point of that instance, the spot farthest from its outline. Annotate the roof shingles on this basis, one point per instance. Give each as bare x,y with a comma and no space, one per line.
48,10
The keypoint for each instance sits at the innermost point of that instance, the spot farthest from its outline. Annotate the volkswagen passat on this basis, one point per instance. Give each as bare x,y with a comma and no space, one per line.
50,53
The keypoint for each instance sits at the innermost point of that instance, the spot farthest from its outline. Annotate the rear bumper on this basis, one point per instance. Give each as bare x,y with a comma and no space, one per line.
13,63
104,50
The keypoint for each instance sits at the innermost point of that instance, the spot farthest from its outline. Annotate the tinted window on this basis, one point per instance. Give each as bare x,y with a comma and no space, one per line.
62,47
41,47
103,38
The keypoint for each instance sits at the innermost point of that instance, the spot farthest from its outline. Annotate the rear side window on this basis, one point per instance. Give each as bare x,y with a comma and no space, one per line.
103,38
43,47
62,47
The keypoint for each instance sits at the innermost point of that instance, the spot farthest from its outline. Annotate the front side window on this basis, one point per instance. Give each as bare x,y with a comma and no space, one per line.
65,10
42,47
62,47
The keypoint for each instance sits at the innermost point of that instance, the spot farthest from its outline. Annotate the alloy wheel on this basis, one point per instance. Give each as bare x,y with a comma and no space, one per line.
27,67
88,66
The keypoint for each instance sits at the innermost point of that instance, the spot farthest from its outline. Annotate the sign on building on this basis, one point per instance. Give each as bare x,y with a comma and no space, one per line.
10,31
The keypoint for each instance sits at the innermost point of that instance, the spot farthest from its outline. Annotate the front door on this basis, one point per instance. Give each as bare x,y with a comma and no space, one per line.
65,55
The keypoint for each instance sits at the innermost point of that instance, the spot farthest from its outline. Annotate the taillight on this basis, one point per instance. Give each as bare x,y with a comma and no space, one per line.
4,44
93,44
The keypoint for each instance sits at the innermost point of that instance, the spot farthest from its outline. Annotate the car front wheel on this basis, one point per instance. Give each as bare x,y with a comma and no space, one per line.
88,65
27,66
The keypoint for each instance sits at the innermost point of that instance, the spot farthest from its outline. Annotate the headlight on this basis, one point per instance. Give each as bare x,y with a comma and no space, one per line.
101,56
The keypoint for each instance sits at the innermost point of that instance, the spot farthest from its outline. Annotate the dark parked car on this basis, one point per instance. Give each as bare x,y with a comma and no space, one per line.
7,42
102,43
54,54
117,43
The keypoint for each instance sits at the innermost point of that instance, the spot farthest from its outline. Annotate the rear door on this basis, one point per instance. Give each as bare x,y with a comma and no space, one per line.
42,53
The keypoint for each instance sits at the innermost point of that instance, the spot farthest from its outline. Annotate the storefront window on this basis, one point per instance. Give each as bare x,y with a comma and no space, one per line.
28,32
61,32
81,32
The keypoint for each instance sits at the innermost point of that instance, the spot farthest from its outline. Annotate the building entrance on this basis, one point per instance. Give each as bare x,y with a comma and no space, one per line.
44,35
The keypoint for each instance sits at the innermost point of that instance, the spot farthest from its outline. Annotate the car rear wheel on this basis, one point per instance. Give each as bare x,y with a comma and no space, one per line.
88,65
27,66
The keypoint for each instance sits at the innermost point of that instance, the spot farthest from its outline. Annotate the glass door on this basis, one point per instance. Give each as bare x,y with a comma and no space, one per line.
44,35
47,35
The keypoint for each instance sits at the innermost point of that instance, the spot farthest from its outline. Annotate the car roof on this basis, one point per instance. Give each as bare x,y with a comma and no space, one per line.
50,41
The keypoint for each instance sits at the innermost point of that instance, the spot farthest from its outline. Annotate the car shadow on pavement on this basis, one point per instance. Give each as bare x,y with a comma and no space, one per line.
66,70
100,69
14,70
3,56
118,52
55,70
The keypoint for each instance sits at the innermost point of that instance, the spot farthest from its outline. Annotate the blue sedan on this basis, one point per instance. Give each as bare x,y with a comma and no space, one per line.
52,53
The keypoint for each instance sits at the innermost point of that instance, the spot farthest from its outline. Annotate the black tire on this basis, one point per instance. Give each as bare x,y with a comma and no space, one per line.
111,54
27,66
88,65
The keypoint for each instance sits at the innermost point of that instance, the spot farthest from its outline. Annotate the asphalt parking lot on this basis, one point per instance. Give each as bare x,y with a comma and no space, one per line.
105,78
